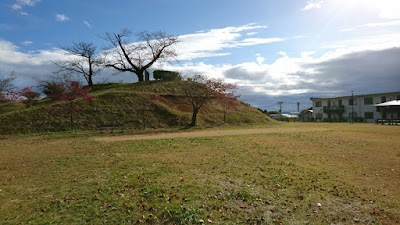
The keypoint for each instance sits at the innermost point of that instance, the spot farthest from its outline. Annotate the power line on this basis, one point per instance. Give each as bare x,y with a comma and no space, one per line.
269,105
280,103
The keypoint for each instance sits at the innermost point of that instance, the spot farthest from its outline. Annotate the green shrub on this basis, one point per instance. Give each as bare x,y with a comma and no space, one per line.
165,75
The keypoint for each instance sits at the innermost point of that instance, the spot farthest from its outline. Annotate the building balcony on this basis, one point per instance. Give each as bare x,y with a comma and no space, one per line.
334,109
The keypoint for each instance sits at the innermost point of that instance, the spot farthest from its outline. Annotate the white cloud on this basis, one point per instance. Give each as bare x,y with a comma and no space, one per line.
27,43
16,6
362,71
260,60
334,72
256,41
347,29
24,13
19,4
313,4
388,9
373,25
28,2
87,24
217,42
377,42
282,77
282,53
61,18
28,65
189,68
10,54
307,54
383,24
251,33
384,9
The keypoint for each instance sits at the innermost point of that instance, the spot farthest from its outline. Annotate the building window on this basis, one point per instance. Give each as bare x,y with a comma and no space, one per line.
351,101
318,104
368,101
368,115
383,99
340,102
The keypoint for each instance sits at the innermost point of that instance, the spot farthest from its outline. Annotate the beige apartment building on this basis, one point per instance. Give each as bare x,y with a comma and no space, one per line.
361,107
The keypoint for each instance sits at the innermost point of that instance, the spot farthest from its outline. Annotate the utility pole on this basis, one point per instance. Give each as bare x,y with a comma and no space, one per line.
298,106
352,107
280,108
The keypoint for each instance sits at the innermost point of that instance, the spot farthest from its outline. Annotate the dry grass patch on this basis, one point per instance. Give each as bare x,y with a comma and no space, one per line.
290,174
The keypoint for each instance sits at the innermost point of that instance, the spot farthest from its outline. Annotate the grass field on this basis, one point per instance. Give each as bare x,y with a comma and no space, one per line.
293,173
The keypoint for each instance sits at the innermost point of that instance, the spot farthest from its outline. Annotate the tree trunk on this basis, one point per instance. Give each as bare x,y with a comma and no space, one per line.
72,120
140,75
90,81
225,112
194,118
90,74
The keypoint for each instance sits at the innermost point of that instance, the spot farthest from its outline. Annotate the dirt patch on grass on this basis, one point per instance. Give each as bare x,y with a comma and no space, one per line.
209,133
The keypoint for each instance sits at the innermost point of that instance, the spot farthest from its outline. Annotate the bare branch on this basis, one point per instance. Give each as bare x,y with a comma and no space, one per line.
199,89
83,60
138,56
6,83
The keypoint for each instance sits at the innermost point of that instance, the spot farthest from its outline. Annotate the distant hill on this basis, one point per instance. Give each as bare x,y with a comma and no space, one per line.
141,105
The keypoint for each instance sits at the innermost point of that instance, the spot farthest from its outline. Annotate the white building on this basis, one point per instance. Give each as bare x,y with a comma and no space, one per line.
362,106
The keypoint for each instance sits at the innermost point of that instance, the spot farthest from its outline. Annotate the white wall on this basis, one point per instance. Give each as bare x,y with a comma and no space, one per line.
359,107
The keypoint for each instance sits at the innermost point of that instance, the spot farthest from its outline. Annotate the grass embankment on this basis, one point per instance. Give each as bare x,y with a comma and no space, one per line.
137,106
278,177
10,107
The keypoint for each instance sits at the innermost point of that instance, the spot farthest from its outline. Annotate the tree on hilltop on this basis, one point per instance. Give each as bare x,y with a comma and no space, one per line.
83,60
6,83
137,57
6,89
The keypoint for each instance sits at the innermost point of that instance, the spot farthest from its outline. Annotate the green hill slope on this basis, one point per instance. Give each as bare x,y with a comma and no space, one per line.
137,106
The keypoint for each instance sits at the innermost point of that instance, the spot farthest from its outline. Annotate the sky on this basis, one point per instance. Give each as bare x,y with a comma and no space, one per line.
275,51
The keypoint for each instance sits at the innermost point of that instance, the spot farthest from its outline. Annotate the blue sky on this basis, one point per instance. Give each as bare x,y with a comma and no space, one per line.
287,50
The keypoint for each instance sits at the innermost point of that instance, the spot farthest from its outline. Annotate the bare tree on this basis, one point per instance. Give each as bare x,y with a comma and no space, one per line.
137,57
228,98
6,90
84,61
199,89
6,83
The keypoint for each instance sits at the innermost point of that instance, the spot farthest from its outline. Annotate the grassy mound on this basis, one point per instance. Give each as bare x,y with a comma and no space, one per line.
137,106
10,107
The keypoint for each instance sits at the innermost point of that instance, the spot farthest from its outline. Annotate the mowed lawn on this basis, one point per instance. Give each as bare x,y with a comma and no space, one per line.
296,174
